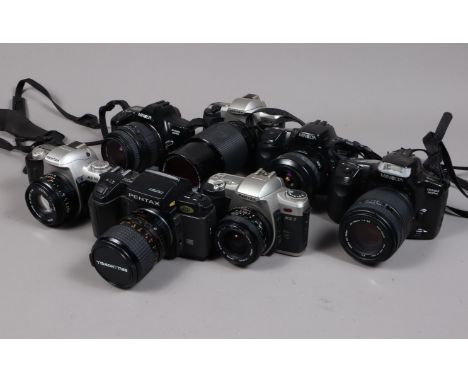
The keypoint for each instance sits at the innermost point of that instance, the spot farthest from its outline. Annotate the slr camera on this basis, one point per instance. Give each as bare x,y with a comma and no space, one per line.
260,216
230,143
379,204
61,180
140,219
141,137
313,151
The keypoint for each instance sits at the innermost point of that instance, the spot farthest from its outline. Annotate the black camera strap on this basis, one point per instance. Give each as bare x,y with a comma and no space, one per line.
23,130
19,104
344,148
439,162
284,116
103,110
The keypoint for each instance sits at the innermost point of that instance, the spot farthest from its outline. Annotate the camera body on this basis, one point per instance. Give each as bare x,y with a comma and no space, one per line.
311,155
400,171
141,137
189,216
259,210
61,179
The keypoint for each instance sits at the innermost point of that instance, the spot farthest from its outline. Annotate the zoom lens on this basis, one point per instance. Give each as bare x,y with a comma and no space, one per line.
125,253
299,172
376,225
224,147
243,235
53,200
134,146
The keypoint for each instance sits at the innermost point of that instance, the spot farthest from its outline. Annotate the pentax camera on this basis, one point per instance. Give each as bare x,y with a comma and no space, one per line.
261,216
141,137
379,204
140,219
230,143
312,154
60,182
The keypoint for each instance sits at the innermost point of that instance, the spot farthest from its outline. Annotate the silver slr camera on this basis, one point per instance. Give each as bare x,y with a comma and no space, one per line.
61,179
261,216
242,109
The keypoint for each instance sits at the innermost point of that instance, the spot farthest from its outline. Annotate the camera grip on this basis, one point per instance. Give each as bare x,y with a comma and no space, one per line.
295,232
104,215
34,168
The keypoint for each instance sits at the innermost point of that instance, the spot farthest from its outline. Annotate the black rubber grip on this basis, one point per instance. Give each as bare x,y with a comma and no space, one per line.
228,140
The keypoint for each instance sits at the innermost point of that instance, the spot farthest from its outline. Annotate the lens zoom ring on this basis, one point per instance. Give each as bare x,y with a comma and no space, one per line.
230,144
136,245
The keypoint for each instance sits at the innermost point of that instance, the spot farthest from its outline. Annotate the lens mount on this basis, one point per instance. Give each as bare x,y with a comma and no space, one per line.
53,200
299,172
135,146
125,253
376,225
242,236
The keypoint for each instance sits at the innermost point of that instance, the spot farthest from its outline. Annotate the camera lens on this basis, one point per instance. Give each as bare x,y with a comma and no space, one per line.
53,200
224,147
243,235
134,146
376,225
125,253
299,172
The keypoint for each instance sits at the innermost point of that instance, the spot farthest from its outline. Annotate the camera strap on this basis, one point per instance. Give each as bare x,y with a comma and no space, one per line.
284,116
439,162
344,148
23,130
103,110
19,104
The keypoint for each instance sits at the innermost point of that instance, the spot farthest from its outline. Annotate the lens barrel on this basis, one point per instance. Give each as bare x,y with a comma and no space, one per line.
53,200
125,253
224,147
242,236
299,172
376,225
134,146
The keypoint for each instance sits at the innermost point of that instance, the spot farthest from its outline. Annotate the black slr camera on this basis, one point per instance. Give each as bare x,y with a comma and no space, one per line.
230,143
140,219
143,136
312,154
379,204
